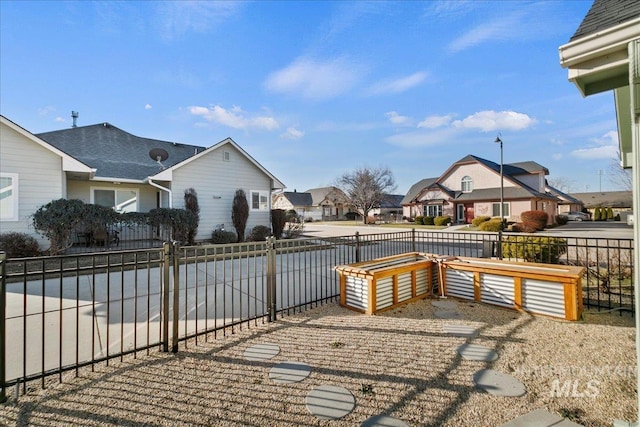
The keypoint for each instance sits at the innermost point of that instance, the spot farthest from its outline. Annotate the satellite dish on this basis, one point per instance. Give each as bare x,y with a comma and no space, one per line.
158,154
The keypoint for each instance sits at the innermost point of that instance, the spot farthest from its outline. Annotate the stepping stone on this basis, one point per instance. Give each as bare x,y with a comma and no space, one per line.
460,330
498,383
330,402
260,352
289,372
383,421
540,418
477,352
444,314
444,304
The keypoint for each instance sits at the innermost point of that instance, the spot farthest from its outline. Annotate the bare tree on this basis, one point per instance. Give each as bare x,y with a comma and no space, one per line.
619,176
366,187
561,183
240,213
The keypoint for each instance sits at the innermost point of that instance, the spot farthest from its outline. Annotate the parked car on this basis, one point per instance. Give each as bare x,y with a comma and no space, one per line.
578,216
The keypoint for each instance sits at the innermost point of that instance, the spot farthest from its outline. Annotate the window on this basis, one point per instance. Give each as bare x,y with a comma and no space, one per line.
8,197
505,210
226,156
259,200
121,199
433,210
467,184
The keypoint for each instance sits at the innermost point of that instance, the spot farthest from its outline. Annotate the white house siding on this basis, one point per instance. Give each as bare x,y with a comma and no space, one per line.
482,177
40,178
281,202
216,181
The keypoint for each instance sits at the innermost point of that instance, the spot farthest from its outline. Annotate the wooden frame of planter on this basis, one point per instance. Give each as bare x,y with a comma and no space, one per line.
547,289
385,283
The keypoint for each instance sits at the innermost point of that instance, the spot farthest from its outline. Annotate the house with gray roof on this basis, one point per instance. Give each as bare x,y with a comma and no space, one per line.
315,204
102,164
472,187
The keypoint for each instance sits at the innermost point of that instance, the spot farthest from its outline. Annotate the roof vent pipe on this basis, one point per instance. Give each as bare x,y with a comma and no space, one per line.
74,116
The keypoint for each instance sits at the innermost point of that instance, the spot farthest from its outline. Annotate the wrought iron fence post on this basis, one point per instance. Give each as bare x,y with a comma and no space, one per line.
271,279
499,248
357,246
3,326
165,296
176,297
413,240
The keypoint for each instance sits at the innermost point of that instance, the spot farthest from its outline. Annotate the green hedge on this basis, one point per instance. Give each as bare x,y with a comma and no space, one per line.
491,225
534,249
442,220
479,220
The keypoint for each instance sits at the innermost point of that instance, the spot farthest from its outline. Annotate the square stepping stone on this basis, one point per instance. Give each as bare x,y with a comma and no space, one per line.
460,330
383,421
261,352
444,314
477,352
540,418
498,383
330,402
289,372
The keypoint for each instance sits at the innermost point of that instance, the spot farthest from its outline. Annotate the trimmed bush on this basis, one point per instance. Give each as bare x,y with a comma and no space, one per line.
278,221
597,214
442,220
535,219
371,220
534,249
418,220
562,219
352,216
521,227
491,225
609,213
259,233
220,237
479,220
617,217
428,220
19,245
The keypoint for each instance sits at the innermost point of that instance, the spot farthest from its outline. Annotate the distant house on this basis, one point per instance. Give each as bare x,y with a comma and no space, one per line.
317,204
471,187
104,165
617,200
390,207
566,202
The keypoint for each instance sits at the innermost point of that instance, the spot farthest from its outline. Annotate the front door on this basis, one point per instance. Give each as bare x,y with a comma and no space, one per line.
468,213
460,214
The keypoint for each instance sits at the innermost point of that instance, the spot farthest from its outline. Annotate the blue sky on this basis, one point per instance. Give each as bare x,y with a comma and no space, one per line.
315,89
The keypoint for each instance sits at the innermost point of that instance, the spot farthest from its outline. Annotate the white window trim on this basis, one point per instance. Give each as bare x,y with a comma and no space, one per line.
469,180
260,195
15,188
135,190
506,211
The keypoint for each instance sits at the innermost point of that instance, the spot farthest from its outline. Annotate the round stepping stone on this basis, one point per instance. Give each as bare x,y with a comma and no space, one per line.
498,383
460,330
289,372
330,402
445,314
477,352
260,352
383,421
444,304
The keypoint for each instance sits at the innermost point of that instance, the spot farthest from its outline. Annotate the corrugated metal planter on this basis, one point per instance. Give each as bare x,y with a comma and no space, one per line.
548,289
385,283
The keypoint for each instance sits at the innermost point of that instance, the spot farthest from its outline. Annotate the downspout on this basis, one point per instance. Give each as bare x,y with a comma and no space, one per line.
153,184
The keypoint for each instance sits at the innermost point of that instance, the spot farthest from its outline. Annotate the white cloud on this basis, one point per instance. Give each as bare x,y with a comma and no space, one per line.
175,19
606,148
496,120
397,119
148,107
398,85
482,33
432,122
235,118
315,79
45,111
60,119
292,133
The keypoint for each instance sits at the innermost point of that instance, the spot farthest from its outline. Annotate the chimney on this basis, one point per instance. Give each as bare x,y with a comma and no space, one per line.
74,116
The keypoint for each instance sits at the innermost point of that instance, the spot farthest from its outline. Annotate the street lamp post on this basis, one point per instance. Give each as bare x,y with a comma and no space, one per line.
498,140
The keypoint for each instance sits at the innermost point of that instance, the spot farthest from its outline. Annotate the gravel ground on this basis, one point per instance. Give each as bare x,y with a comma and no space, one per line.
398,363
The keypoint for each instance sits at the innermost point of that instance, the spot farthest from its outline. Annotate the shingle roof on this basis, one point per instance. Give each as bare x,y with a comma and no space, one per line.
392,201
606,14
417,188
494,193
298,199
116,153
614,199
319,194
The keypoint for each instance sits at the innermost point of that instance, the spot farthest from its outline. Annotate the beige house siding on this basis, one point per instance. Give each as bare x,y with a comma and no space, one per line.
40,178
482,177
216,181
81,190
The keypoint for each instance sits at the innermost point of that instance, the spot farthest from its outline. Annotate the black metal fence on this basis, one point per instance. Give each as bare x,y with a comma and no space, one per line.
62,313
